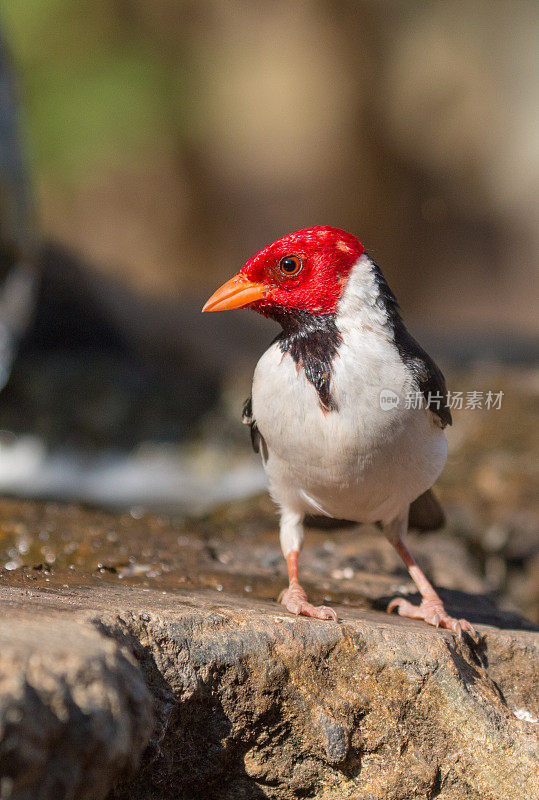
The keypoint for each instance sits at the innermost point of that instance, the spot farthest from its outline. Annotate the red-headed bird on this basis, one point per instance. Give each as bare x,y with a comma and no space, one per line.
347,410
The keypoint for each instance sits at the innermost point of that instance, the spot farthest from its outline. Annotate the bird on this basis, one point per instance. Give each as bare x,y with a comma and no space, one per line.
347,410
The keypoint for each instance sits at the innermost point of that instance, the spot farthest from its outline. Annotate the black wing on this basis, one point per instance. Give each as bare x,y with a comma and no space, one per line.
247,419
428,375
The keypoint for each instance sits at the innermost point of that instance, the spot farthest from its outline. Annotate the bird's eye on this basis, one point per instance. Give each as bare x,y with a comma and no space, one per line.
290,265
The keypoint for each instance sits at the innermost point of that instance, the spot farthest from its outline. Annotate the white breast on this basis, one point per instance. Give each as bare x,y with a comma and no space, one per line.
360,462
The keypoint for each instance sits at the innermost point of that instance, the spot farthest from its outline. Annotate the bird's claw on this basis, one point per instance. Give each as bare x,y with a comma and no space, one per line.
294,599
434,613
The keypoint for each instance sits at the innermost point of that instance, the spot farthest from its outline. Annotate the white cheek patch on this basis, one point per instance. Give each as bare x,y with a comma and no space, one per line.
358,304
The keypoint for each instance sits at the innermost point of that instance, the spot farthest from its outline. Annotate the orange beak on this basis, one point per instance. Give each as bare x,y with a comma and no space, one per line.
235,293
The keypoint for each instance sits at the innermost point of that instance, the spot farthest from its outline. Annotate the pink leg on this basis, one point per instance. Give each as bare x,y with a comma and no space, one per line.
294,599
431,608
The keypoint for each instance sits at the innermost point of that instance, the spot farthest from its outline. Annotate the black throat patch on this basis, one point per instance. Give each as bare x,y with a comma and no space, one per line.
312,340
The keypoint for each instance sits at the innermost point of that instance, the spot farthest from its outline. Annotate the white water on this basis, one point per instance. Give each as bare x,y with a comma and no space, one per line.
176,478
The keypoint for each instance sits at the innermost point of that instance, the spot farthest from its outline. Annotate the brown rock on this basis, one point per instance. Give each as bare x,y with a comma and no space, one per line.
75,713
127,632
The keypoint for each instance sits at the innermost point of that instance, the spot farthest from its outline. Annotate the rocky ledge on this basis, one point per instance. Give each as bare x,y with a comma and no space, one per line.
142,658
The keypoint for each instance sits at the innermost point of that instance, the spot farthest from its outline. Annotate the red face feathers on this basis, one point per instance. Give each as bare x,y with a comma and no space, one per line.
306,270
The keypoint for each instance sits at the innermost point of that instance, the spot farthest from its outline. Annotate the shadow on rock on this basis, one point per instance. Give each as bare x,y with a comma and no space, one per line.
477,609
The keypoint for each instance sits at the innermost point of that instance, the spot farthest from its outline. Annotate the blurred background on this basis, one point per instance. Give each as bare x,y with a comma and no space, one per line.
148,149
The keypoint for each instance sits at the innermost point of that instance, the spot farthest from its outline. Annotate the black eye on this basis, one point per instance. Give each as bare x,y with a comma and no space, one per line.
290,265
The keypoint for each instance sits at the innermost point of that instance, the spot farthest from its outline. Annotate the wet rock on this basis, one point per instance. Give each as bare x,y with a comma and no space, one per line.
174,681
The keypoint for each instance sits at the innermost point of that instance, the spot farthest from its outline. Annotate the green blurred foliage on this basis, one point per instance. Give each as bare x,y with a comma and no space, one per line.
95,89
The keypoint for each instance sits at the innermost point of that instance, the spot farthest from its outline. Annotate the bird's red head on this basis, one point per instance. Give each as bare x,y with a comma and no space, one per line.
306,270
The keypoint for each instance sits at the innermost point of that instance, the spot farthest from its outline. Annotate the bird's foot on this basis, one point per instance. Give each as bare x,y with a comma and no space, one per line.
294,599
433,612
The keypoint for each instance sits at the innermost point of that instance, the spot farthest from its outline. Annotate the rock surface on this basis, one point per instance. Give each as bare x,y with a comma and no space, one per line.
144,659
75,713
